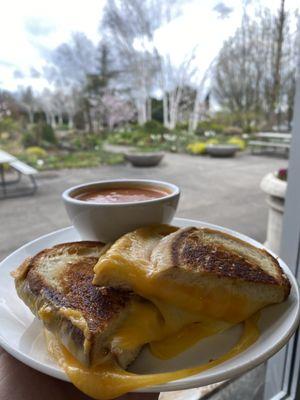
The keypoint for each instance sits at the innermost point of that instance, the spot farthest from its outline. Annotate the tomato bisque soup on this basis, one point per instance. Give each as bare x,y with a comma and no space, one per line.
121,194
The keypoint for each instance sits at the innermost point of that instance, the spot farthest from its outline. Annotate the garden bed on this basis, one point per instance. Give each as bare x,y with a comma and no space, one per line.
77,159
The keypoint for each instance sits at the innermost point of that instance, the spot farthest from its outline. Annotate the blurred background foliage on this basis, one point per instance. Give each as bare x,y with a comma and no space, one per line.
123,91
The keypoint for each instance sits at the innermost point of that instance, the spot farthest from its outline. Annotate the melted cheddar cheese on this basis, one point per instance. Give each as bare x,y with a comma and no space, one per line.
168,334
127,263
108,380
215,303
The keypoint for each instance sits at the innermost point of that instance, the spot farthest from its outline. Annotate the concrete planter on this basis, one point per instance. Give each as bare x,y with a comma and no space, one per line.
221,150
144,159
275,189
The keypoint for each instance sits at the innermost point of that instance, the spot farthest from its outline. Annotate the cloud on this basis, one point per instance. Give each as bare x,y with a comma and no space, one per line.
34,73
39,27
4,63
18,74
223,10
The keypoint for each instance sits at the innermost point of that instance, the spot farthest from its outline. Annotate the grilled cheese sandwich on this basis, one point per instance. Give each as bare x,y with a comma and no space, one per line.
160,285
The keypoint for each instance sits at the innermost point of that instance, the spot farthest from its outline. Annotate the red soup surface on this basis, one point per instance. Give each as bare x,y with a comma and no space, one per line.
121,195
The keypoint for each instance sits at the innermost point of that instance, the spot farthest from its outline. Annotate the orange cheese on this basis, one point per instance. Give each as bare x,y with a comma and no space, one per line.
108,380
213,303
167,329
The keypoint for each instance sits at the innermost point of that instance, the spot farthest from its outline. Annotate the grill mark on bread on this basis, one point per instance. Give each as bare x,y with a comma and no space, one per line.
188,249
97,304
221,262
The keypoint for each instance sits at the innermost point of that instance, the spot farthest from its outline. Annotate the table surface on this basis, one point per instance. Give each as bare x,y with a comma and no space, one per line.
6,157
272,135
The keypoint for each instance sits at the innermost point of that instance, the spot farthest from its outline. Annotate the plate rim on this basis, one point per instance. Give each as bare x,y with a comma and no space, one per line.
185,383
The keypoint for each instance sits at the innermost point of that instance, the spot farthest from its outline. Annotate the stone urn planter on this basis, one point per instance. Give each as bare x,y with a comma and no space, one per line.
144,159
275,188
221,150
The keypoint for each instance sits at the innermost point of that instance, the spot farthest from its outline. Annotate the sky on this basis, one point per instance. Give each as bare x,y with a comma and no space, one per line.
29,29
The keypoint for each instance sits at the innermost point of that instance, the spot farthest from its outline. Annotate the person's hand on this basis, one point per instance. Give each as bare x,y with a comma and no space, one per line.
20,382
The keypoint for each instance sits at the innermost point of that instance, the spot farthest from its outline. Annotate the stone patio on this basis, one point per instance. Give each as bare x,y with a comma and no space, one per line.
221,191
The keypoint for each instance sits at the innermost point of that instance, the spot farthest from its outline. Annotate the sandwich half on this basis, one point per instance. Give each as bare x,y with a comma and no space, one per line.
199,270
56,284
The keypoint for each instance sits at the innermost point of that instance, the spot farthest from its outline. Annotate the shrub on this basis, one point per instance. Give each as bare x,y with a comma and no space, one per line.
90,141
126,137
238,142
36,151
182,126
233,130
40,133
7,124
63,127
209,125
28,139
213,141
145,141
196,148
251,129
4,136
154,127
48,134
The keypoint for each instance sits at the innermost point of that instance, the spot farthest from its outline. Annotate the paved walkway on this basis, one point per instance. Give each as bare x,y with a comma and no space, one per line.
221,191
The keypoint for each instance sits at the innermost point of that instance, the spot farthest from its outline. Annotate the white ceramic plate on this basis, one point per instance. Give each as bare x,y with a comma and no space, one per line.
21,334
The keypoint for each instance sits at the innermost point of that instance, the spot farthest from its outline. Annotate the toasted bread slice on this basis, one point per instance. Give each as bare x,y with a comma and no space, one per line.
56,284
198,269
133,248
210,257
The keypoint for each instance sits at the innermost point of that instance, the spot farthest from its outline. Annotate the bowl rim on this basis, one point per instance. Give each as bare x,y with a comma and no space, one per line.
66,195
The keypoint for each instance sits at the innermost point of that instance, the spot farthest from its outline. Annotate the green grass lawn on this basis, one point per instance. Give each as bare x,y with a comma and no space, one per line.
73,160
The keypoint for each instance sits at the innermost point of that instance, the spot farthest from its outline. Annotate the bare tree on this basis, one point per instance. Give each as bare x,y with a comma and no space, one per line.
72,106
70,63
48,105
68,68
279,32
117,110
173,81
254,75
130,26
28,101
200,97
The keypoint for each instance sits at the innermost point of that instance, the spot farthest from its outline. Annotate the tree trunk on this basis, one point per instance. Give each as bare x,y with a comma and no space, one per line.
175,98
31,116
149,109
70,121
89,119
172,111
52,121
193,122
277,69
166,110
142,111
194,118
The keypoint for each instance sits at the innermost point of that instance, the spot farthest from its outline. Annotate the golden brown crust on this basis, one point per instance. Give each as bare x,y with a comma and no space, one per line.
188,249
98,305
22,270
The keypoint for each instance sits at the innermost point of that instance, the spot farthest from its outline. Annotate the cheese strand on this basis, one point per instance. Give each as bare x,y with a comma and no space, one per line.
109,380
